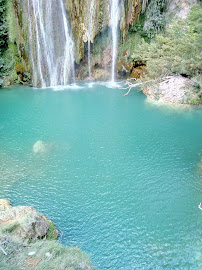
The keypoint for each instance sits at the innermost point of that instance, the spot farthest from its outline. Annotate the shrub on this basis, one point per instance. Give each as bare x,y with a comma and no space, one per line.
3,36
152,21
178,51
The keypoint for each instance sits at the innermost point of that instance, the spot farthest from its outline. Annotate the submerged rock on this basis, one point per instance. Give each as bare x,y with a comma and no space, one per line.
41,147
24,223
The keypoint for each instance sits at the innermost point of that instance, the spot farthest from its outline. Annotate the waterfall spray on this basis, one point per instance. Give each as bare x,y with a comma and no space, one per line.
115,16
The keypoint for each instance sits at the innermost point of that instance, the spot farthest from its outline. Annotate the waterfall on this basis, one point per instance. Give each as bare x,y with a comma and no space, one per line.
51,43
90,26
115,16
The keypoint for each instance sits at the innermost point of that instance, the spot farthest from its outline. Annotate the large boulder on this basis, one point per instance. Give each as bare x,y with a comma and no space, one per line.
174,89
23,222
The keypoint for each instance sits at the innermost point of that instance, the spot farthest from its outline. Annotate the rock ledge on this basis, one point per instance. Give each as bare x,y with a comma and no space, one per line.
175,90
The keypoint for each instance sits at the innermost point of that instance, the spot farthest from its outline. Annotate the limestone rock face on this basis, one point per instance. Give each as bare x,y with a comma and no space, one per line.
22,222
79,18
179,8
175,89
79,14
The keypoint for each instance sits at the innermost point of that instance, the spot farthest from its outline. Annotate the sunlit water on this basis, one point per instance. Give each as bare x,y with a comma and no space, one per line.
119,176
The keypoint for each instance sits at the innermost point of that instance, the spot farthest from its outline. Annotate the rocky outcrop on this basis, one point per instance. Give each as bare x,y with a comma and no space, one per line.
24,222
179,9
175,89
19,225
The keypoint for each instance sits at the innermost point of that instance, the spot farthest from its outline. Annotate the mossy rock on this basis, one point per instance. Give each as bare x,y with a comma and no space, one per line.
52,233
25,223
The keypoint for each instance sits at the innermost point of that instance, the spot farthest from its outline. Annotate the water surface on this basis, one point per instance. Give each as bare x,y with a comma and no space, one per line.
119,176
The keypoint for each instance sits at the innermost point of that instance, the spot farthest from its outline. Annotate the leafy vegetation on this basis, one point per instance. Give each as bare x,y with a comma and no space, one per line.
177,51
52,231
12,69
152,21
3,37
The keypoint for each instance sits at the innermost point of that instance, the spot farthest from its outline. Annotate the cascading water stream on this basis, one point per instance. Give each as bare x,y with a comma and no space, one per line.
69,48
89,37
38,56
52,53
115,16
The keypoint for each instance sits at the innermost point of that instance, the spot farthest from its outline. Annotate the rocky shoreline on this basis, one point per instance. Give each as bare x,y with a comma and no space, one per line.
177,90
25,223
28,241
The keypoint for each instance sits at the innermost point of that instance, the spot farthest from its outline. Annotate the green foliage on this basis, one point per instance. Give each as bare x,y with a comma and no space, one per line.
12,62
177,51
133,40
12,69
3,26
153,21
9,56
52,231
196,101
3,37
139,25
196,90
11,22
155,17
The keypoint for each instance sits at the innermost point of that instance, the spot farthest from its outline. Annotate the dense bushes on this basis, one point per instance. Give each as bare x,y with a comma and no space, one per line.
12,68
3,27
155,18
177,51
